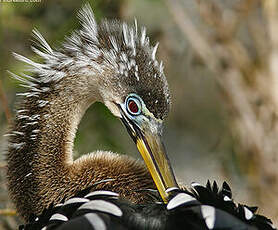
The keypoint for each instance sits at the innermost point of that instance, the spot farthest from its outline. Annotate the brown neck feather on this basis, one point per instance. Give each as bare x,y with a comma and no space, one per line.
41,170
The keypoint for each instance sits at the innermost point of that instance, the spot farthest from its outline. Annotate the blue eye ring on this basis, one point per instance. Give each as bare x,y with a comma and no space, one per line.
133,105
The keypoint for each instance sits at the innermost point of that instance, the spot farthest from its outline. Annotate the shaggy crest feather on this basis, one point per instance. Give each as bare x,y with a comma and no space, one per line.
83,54
86,52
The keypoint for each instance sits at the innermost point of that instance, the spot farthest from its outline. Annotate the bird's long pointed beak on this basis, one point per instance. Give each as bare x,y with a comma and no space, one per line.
155,157
153,152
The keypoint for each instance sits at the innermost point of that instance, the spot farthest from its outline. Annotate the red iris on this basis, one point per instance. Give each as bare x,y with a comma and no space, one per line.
133,107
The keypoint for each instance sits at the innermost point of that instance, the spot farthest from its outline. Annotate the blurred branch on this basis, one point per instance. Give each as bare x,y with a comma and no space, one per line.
270,10
3,164
7,212
200,45
4,102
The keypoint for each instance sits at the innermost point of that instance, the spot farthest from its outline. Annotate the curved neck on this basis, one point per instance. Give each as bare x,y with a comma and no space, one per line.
59,120
58,128
41,143
41,171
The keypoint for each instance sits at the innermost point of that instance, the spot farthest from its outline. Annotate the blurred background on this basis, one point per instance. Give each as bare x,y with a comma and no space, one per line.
221,62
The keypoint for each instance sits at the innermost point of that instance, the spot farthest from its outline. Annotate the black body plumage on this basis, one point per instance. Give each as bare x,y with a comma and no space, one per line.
203,207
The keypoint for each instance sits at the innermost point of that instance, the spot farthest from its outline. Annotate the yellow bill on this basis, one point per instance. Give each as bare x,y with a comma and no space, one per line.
157,162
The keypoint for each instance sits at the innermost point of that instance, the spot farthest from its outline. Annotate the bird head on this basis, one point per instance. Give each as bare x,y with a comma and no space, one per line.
138,95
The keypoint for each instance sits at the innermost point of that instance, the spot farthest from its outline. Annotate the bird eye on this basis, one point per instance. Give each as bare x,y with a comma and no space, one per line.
133,106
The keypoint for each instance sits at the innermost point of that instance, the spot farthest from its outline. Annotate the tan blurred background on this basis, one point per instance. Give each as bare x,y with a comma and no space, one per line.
221,61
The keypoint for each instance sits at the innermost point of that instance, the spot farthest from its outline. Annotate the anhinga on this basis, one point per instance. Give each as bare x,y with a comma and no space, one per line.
115,64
